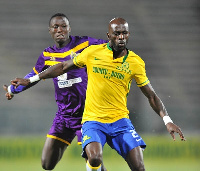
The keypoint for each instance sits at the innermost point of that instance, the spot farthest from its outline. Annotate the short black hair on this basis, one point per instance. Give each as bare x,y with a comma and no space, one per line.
58,15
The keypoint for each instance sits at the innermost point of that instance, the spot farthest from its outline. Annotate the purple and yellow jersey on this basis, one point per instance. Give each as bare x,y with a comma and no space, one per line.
70,87
109,82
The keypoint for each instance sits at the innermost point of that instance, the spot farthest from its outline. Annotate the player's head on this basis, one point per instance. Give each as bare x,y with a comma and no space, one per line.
59,28
118,33
58,15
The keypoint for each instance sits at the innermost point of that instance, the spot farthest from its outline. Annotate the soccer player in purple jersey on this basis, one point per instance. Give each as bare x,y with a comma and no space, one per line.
70,88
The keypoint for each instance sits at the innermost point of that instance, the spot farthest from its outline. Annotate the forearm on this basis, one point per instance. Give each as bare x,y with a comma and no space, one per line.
52,71
160,109
13,90
156,103
154,100
158,106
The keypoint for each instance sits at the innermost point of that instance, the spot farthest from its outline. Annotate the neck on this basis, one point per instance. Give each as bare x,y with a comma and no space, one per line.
119,53
63,44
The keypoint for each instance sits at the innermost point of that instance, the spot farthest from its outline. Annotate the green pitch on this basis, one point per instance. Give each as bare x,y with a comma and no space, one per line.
161,154
113,164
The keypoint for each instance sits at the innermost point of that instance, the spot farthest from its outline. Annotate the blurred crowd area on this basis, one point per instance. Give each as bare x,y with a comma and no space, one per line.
166,34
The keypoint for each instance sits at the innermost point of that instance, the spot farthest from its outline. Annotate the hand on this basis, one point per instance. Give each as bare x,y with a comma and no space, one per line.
172,128
20,81
8,95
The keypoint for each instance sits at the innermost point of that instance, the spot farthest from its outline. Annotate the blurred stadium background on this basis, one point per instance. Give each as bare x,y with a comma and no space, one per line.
166,34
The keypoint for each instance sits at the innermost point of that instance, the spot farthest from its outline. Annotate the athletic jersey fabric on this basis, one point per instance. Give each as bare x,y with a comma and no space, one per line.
109,82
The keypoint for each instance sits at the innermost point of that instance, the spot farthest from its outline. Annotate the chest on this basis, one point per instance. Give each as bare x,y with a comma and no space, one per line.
104,67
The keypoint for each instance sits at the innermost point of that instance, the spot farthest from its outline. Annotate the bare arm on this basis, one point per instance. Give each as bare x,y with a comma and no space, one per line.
51,72
154,100
160,109
57,69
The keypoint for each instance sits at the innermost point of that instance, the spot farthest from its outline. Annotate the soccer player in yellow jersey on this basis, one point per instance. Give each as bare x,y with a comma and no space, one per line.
111,67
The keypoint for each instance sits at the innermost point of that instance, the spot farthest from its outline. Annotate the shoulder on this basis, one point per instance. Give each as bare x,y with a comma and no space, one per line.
84,40
49,49
133,57
79,38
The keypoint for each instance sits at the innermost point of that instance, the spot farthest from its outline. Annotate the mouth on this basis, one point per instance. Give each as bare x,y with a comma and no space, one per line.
60,36
122,43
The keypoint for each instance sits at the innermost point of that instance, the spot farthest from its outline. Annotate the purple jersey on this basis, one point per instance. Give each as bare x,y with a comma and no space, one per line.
70,88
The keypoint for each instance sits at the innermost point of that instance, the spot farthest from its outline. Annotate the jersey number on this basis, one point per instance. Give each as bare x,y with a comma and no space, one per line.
134,134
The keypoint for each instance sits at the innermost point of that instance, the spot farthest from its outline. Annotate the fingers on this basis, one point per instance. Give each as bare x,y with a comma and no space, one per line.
16,85
8,95
15,82
172,134
178,130
181,135
20,81
5,87
172,128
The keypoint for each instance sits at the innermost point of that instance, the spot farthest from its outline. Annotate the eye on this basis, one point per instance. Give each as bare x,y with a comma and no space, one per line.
116,33
55,26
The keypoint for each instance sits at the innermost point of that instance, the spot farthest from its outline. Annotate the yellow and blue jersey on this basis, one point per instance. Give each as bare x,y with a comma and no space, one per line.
109,82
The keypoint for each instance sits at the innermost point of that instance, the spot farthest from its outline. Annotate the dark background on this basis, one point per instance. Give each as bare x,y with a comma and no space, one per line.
166,34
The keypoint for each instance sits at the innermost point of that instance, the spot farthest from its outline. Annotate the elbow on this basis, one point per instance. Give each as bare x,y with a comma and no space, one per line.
68,65
65,67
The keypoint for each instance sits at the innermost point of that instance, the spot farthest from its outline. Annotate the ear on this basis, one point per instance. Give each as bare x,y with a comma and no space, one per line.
49,29
108,36
69,29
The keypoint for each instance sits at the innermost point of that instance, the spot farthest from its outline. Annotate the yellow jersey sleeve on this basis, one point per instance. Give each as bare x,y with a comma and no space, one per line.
81,59
140,72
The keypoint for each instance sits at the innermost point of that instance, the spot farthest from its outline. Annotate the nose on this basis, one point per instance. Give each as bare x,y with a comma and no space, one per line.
121,36
59,29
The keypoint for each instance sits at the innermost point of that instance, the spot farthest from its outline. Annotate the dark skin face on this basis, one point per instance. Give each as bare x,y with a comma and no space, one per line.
118,35
59,30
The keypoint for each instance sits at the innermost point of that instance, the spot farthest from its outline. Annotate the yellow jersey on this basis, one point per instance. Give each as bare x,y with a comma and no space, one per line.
109,82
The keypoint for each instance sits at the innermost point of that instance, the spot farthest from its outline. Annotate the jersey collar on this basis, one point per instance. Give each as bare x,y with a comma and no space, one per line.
125,57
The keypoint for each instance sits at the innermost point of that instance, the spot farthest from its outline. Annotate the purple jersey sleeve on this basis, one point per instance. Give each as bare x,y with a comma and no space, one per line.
21,88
